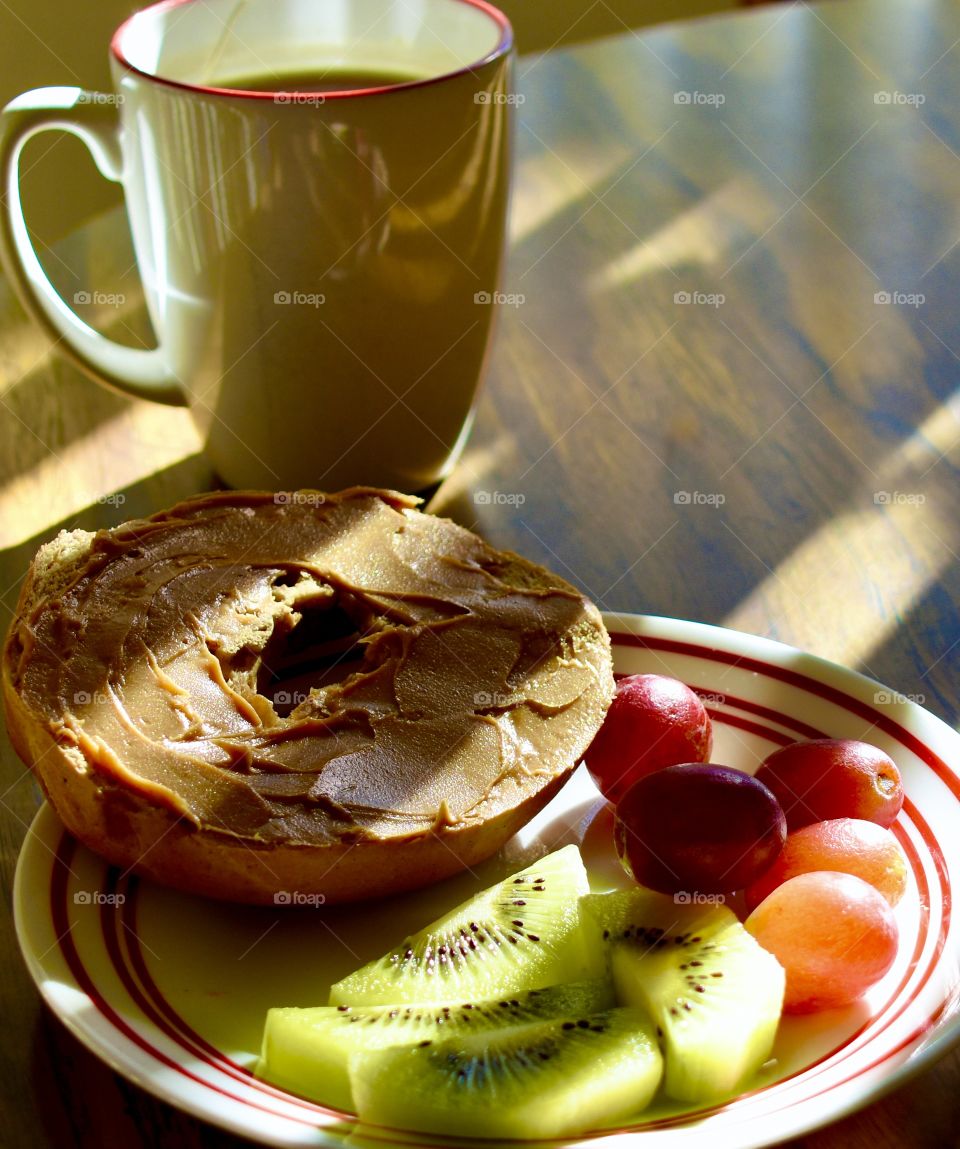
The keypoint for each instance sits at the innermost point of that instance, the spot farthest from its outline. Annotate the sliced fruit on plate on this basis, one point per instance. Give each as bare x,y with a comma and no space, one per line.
526,932
715,994
306,1050
544,1079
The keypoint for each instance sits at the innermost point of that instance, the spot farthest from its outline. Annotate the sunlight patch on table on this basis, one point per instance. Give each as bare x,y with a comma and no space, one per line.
936,437
94,469
859,575
25,349
709,232
474,466
546,185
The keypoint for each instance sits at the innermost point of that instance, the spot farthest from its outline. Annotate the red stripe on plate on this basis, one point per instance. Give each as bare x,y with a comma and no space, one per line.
62,926
168,1020
172,1023
776,716
804,682
750,727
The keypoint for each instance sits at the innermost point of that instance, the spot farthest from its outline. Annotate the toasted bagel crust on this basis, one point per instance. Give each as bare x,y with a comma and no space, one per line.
500,666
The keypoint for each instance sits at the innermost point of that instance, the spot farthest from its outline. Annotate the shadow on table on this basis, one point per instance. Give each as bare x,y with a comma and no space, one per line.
687,460
53,402
928,638
145,497
82,1104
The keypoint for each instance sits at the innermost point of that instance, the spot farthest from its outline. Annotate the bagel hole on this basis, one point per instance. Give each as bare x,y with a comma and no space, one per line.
289,578
321,649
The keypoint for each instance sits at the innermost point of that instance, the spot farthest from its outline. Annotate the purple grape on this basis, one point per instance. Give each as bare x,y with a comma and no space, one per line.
698,828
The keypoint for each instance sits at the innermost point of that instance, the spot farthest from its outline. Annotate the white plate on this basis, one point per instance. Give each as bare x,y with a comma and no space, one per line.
171,990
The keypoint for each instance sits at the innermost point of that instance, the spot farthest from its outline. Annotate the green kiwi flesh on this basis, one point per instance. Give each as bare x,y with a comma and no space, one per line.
714,993
544,1079
524,933
306,1051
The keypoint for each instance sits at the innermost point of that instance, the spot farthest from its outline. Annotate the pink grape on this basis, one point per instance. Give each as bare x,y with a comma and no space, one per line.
850,845
834,935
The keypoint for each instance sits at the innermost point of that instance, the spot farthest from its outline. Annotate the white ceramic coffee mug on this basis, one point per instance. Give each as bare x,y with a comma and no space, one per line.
320,270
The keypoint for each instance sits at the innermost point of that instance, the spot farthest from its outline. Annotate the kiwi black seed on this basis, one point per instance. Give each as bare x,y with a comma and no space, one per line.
485,947
308,1050
714,994
543,1079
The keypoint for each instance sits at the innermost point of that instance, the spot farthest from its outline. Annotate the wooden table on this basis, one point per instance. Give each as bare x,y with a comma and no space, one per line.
726,390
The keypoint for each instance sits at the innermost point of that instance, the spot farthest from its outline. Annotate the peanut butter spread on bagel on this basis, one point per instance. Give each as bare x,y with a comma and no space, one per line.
305,669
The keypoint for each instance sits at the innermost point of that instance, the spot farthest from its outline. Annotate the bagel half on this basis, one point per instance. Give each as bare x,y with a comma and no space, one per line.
257,697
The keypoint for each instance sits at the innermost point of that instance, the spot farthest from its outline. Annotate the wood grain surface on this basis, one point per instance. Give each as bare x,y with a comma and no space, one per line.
724,387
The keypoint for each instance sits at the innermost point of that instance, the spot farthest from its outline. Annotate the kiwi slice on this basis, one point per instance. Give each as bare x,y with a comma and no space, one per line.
526,932
543,1079
306,1050
713,991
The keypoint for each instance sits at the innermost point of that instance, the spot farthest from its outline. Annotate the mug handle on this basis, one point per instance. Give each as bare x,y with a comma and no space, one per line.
92,118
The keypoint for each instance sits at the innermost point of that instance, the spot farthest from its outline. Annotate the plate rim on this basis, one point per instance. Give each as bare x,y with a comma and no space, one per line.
617,622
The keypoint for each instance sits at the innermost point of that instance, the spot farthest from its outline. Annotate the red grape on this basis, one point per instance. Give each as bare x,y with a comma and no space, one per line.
834,935
833,778
698,828
653,722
